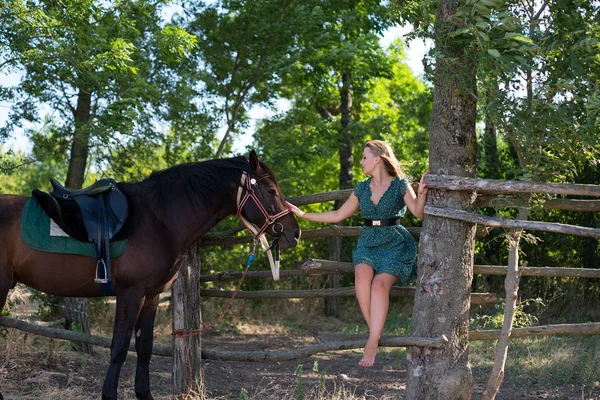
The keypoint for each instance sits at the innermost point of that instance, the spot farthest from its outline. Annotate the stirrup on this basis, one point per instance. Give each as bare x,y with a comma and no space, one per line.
101,280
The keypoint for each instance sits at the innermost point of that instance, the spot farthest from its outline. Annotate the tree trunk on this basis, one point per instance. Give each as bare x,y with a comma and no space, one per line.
490,141
76,309
332,306
345,138
81,138
446,249
75,312
187,360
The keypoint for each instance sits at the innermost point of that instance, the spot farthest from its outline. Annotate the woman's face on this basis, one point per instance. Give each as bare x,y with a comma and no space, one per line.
369,161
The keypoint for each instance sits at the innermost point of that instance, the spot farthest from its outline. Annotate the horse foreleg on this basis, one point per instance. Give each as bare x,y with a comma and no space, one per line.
129,303
144,335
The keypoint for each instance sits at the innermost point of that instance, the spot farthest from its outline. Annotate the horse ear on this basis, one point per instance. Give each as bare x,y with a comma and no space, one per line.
253,159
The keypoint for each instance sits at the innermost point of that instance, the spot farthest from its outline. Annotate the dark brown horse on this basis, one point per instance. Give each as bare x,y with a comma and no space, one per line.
173,209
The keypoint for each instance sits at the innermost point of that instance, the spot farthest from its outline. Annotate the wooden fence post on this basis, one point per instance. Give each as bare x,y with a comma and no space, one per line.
187,361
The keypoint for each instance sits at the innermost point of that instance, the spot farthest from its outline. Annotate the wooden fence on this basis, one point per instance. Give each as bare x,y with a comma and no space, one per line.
491,193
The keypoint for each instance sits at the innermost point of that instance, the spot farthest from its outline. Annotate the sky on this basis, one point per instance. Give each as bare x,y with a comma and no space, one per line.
415,52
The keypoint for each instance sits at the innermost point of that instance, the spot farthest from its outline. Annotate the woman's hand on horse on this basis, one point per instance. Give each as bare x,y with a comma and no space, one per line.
297,212
423,187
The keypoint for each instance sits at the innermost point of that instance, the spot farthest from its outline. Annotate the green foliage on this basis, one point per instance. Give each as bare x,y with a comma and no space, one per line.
28,173
48,306
538,90
121,56
495,318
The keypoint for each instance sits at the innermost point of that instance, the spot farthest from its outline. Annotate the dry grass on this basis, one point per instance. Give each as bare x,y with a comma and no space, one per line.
33,367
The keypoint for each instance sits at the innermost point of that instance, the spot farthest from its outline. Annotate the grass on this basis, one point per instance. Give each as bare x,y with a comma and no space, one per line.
560,364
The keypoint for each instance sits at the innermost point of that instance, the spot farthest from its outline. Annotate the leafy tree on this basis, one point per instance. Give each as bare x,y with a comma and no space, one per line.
243,46
100,67
539,96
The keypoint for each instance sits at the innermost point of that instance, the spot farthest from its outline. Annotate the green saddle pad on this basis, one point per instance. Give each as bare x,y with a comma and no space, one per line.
35,228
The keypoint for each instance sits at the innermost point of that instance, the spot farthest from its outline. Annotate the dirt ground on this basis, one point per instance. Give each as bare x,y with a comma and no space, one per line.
37,368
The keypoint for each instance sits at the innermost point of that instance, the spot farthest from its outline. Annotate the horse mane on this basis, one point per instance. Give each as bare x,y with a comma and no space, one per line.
205,182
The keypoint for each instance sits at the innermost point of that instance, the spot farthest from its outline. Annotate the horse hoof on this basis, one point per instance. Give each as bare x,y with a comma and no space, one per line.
142,396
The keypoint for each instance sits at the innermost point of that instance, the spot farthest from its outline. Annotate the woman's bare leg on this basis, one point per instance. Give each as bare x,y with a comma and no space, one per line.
363,279
380,302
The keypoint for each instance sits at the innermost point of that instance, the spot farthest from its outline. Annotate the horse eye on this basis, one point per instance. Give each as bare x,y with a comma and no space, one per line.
272,191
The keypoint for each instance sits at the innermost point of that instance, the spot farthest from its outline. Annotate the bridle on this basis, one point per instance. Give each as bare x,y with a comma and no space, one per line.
246,193
270,220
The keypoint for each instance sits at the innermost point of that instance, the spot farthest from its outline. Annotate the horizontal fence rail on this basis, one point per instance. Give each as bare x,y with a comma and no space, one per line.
263,356
460,215
542,330
319,267
219,239
551,204
496,186
396,291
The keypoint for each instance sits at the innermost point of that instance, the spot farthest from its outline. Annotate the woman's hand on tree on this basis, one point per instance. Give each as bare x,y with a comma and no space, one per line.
423,187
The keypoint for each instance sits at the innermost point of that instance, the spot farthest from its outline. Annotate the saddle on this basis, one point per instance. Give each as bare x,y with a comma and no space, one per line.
96,214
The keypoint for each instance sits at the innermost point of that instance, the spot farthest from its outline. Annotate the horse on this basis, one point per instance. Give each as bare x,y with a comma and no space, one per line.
173,208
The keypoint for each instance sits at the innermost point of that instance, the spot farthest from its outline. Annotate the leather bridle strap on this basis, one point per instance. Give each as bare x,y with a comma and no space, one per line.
250,195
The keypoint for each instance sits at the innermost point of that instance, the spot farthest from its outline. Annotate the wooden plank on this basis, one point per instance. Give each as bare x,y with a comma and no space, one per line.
451,182
396,291
542,330
307,351
510,223
552,204
315,266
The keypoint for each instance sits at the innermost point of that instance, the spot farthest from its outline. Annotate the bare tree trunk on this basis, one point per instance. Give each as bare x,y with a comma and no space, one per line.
187,359
80,145
76,309
490,139
332,306
345,138
446,247
77,318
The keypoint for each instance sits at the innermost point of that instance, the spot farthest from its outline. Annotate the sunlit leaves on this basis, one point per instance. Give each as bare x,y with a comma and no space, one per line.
176,42
119,57
122,53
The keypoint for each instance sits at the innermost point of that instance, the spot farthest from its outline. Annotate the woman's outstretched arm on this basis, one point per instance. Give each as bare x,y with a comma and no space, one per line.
345,211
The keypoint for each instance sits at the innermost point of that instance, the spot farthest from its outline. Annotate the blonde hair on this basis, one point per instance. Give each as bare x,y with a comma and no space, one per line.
384,150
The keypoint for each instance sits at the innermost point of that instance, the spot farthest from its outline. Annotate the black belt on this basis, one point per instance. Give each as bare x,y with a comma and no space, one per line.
382,222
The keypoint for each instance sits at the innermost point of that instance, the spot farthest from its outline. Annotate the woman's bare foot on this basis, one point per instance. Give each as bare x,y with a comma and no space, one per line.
368,358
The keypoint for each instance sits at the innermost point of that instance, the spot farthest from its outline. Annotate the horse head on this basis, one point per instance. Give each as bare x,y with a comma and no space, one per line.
262,207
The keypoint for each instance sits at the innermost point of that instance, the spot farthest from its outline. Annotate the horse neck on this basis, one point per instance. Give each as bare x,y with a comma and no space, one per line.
184,222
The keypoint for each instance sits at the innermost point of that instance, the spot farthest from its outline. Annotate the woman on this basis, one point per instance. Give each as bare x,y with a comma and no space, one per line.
386,251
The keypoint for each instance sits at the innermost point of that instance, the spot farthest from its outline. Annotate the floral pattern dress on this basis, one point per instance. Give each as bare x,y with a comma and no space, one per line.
389,249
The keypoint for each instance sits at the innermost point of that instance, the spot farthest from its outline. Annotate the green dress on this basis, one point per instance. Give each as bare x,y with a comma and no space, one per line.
390,249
